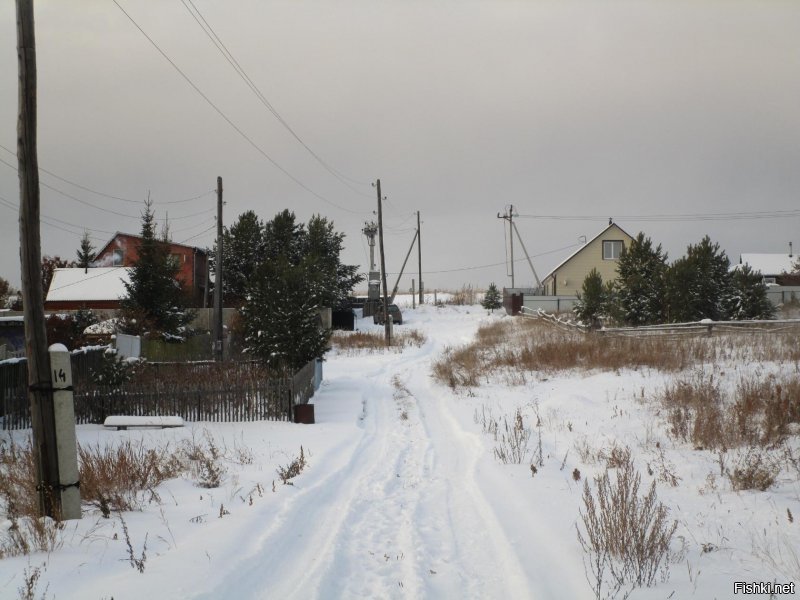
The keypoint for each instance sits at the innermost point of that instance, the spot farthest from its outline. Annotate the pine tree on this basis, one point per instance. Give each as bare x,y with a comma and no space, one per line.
85,252
281,315
591,301
640,283
243,249
6,291
749,296
155,301
698,285
492,299
323,246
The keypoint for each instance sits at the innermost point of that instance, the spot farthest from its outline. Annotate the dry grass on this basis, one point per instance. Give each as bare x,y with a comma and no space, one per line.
124,477
114,478
24,532
625,537
514,347
759,412
357,342
466,296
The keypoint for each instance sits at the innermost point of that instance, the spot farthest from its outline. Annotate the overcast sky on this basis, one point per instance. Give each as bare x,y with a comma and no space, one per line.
598,109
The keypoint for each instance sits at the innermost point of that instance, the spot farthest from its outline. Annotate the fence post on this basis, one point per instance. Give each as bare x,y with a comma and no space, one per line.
66,443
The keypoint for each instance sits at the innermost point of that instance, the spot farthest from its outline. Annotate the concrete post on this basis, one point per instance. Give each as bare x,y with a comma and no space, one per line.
66,443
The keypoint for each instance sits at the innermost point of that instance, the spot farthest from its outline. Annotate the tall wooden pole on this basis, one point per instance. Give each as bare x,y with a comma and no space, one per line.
419,259
40,392
218,328
387,324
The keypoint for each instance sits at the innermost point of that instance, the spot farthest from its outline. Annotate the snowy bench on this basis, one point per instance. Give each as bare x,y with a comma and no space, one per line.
121,422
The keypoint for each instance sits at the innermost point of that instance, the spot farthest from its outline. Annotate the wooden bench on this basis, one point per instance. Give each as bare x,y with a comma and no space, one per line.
122,423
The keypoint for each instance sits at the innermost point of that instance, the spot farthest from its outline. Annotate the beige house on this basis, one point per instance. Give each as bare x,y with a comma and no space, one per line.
601,253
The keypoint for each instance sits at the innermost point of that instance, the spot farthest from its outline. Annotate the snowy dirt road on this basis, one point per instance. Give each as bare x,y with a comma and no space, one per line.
399,512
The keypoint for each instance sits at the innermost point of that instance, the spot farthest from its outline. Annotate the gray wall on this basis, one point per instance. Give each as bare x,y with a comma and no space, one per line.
551,304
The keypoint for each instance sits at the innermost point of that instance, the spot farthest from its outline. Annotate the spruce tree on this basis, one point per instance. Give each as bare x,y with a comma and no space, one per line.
640,284
155,300
323,245
698,285
281,315
493,299
591,300
85,252
243,249
749,299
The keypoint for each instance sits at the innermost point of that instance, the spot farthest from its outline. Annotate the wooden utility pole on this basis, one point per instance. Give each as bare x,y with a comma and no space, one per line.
510,218
386,316
40,391
419,257
218,330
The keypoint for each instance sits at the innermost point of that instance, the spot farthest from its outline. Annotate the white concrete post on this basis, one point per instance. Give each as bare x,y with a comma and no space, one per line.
66,443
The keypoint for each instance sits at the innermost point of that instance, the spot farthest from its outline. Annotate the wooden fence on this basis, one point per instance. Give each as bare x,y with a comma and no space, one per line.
201,391
706,327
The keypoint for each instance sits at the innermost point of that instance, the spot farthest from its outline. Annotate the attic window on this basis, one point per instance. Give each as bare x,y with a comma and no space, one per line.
612,249
116,258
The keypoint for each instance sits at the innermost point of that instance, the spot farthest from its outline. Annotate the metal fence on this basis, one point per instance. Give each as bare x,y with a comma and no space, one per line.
200,391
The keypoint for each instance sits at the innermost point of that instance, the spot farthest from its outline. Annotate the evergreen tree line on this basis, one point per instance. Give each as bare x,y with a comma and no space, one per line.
649,291
280,274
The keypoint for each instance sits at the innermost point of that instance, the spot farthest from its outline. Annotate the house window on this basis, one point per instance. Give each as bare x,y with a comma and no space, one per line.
116,258
175,260
612,249
770,280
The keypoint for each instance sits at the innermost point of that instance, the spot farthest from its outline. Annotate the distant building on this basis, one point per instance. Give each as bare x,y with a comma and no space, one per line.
601,253
76,288
123,251
774,268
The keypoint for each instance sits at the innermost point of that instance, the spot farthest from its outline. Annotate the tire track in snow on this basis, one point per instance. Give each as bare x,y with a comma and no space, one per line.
402,518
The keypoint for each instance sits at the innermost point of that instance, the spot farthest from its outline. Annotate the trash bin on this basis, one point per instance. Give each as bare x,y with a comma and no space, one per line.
304,413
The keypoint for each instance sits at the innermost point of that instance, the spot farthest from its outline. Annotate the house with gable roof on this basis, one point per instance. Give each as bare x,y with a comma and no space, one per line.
601,253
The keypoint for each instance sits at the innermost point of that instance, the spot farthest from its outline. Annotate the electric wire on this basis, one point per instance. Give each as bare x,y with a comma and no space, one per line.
225,117
499,264
677,217
46,221
101,208
103,194
234,63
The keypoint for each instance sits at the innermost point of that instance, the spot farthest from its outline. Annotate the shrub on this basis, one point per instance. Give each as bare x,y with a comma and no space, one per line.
625,537
754,470
114,477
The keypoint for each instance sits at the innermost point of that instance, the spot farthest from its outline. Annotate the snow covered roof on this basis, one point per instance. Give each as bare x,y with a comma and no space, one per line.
102,283
769,264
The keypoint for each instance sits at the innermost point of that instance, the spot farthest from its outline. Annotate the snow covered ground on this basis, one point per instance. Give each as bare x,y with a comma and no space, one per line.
402,496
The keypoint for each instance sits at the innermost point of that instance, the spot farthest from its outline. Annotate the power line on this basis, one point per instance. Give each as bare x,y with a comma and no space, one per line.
108,210
236,128
81,228
104,194
234,63
722,216
475,268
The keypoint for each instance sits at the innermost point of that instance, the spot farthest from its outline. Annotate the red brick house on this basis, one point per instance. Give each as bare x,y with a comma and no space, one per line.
123,249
